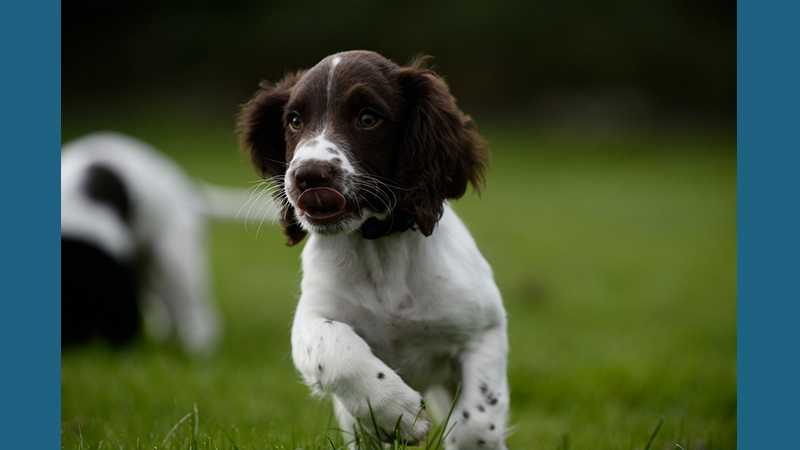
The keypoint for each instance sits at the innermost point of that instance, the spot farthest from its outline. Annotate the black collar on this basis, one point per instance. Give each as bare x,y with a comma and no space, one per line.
398,221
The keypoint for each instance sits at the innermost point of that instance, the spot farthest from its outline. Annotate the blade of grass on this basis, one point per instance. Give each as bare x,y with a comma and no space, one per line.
225,433
655,432
115,439
448,431
440,440
374,422
196,426
80,433
396,433
175,427
422,408
369,439
333,447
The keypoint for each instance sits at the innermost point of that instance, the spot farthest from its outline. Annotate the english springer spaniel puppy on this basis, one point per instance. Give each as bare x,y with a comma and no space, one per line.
398,305
132,224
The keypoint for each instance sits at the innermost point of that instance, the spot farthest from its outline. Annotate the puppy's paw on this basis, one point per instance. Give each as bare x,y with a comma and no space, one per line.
414,424
400,416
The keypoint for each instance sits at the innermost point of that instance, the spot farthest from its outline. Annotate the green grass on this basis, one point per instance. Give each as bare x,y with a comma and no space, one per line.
616,258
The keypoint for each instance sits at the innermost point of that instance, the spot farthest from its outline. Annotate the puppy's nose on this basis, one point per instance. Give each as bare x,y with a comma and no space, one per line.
310,176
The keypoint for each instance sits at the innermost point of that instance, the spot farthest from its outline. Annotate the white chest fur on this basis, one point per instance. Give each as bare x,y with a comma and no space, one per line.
416,301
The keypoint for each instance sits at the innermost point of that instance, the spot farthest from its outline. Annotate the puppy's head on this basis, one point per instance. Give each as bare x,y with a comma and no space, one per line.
357,136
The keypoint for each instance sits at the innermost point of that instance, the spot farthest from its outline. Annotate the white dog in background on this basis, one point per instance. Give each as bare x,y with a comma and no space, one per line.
132,245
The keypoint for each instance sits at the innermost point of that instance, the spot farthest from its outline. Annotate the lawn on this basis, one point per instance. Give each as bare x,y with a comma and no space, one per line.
616,257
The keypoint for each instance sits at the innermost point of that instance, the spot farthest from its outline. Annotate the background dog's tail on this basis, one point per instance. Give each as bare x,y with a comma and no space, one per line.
236,204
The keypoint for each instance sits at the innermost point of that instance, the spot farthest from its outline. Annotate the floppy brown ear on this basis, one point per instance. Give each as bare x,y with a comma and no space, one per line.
262,138
442,151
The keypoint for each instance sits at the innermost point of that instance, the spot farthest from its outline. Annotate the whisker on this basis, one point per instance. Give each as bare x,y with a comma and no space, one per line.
275,161
373,186
383,180
377,193
272,210
255,197
369,190
254,189
267,187
378,183
249,203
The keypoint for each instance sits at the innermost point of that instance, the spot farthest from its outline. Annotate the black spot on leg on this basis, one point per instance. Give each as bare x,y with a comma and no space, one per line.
381,375
484,388
466,415
481,442
491,427
319,367
491,397
481,408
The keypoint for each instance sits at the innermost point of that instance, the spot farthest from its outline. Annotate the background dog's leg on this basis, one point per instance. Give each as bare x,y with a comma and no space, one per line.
482,406
181,279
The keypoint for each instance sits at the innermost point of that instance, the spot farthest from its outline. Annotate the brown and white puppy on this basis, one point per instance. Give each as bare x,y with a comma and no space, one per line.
398,304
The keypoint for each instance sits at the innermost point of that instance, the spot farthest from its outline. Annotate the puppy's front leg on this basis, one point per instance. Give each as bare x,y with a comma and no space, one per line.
332,358
481,411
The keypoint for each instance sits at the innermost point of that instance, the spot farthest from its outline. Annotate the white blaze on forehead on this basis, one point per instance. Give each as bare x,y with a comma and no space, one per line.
334,62
319,148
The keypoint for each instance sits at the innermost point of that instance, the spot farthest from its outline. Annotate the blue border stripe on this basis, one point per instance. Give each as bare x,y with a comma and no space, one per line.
768,122
30,42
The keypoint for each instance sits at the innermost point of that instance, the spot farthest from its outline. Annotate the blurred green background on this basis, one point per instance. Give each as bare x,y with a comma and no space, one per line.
609,215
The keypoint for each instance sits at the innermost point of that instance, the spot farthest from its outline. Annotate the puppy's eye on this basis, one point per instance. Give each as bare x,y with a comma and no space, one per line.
295,122
367,120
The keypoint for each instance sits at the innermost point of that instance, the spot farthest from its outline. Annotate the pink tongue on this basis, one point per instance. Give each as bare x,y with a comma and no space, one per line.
321,200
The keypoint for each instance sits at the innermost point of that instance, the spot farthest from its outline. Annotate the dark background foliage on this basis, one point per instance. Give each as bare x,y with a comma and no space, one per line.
589,65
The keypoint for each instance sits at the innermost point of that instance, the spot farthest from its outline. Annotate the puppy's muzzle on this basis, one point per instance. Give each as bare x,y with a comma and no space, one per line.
318,200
